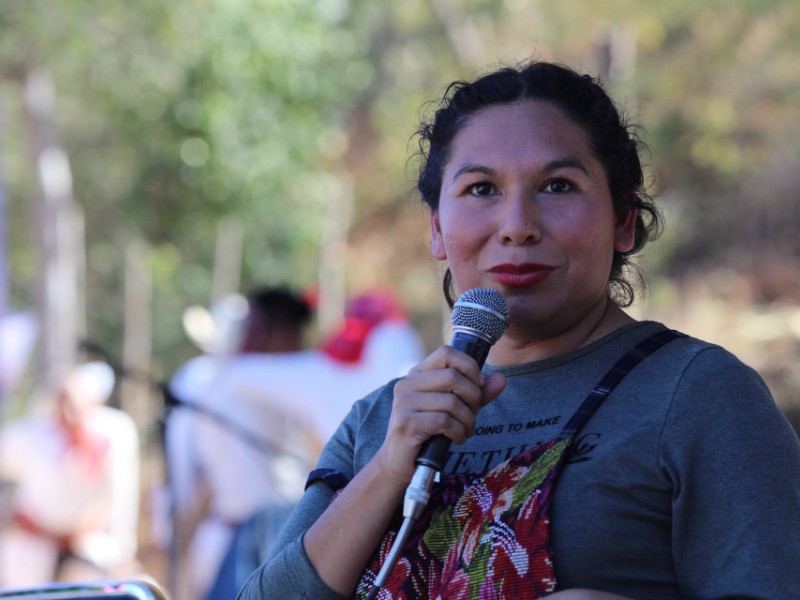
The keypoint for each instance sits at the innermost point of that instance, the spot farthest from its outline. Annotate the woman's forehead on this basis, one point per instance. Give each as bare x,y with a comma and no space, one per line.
519,131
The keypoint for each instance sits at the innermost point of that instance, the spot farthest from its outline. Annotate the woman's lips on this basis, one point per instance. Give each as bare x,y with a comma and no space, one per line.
524,275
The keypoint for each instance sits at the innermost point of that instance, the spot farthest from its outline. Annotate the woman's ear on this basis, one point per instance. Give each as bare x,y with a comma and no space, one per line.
437,242
625,230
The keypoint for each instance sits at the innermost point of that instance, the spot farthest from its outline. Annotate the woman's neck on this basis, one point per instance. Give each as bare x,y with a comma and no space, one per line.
521,347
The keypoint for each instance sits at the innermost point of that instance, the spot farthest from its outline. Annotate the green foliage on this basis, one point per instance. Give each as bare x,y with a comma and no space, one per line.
176,115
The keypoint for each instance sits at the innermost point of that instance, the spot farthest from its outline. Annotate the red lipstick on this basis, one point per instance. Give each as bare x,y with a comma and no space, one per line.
523,275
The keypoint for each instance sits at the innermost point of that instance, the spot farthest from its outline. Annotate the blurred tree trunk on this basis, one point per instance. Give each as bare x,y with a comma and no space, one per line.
466,40
332,276
3,255
58,233
136,389
4,287
227,258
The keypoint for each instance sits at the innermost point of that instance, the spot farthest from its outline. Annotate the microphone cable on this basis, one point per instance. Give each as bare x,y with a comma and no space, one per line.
416,499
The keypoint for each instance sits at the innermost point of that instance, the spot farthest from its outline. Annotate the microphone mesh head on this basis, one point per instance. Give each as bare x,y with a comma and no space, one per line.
483,310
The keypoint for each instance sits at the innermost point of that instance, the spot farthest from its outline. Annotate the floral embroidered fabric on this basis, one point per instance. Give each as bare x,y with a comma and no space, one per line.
481,537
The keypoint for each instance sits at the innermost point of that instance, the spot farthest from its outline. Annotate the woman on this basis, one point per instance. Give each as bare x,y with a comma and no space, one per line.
682,482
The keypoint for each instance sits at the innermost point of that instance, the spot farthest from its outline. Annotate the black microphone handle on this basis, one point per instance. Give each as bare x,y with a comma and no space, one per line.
434,451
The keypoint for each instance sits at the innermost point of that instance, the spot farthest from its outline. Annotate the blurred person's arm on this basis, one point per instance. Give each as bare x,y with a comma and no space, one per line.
108,537
125,486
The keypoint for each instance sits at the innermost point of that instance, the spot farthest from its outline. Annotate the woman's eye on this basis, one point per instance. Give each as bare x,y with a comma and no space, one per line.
481,189
558,186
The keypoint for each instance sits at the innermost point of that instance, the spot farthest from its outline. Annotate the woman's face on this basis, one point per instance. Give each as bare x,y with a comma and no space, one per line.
525,209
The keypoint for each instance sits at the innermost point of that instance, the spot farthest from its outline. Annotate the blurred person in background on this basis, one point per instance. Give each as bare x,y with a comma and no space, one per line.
231,454
73,476
375,342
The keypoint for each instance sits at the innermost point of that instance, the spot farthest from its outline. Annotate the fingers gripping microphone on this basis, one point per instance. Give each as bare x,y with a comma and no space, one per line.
480,318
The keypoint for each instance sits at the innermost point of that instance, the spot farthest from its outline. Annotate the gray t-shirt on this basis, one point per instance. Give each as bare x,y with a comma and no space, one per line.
684,484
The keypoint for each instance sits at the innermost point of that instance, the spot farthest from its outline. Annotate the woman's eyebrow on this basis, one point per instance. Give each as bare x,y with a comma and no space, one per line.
558,163
472,168
566,162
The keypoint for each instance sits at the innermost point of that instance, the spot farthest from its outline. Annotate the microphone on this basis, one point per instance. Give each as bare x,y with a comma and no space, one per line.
480,318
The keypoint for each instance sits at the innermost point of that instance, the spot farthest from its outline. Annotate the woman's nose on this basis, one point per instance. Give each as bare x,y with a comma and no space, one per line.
520,223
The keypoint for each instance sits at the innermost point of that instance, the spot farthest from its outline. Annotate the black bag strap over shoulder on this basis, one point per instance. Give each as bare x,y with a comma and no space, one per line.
611,379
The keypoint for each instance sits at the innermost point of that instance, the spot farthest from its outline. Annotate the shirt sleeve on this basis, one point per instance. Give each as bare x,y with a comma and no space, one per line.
735,465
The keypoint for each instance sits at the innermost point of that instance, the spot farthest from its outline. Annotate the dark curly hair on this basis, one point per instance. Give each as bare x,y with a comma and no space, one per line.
582,98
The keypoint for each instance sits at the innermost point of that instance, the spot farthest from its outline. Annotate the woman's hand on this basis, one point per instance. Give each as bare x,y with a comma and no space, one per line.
441,395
